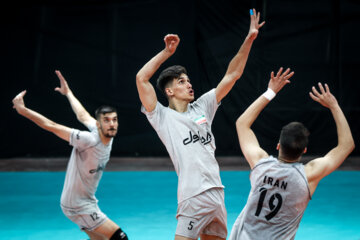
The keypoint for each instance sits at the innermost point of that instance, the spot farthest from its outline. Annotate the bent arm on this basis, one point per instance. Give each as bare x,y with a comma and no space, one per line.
321,167
234,71
43,122
237,64
145,88
61,131
248,142
81,114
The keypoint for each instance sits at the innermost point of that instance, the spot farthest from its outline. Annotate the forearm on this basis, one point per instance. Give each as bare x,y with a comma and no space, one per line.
252,112
237,64
345,139
77,107
248,142
149,69
37,118
46,124
234,71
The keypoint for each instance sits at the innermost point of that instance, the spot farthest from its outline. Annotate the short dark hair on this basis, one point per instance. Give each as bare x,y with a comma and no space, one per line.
168,75
293,140
104,109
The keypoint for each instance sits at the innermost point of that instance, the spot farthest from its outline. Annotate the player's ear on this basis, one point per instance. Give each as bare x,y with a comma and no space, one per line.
97,124
169,91
278,146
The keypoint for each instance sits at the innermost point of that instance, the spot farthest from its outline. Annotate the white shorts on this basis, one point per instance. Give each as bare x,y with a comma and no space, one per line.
203,214
88,218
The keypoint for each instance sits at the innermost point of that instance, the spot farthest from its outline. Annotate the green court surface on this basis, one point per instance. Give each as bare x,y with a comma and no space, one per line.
144,205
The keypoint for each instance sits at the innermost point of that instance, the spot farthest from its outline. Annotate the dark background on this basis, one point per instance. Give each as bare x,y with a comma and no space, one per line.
100,45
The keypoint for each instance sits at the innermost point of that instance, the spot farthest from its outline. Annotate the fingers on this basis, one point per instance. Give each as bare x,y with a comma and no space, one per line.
171,37
315,92
286,72
252,13
22,94
322,90
262,24
327,88
272,74
287,77
316,99
279,72
19,97
255,17
60,76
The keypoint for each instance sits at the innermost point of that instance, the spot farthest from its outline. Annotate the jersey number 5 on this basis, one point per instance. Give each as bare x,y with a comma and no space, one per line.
274,209
190,227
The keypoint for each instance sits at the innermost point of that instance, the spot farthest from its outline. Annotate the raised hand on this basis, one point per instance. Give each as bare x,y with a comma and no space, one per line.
278,81
64,87
18,101
325,97
254,24
171,42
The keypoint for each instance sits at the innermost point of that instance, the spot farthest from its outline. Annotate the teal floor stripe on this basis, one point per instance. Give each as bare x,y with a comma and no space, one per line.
144,205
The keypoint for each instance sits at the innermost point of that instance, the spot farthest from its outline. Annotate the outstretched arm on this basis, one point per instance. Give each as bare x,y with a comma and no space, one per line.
145,88
321,167
82,115
248,142
43,122
237,64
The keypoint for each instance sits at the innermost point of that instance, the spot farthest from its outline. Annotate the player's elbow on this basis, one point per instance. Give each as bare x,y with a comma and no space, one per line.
81,117
352,145
140,78
348,146
240,123
235,75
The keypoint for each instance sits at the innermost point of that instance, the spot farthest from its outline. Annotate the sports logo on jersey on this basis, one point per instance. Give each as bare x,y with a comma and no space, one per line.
99,168
193,138
78,135
200,120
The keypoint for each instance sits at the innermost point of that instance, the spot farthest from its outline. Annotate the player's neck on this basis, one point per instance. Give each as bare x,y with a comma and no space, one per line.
284,160
178,105
105,140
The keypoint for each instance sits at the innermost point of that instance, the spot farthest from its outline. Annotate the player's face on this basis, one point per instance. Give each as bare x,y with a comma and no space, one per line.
109,124
182,89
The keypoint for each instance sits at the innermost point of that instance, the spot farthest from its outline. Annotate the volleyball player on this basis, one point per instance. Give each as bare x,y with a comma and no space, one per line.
281,186
91,152
184,127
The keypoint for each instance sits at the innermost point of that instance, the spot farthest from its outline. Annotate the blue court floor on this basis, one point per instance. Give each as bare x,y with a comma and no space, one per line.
144,205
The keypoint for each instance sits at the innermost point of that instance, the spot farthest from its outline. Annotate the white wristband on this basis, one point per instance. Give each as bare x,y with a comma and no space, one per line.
269,94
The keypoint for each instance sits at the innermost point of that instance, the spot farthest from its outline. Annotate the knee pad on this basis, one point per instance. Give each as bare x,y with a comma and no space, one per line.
119,235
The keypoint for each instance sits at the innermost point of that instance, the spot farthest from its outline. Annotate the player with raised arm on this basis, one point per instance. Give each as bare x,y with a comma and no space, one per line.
91,152
184,127
282,187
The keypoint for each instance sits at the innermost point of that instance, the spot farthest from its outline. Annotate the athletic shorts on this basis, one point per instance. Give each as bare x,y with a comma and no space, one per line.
88,218
202,214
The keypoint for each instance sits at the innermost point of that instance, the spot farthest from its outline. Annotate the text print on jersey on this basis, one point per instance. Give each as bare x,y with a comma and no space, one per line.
193,138
99,168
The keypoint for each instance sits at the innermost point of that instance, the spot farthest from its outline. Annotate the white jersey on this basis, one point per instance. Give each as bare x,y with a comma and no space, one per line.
87,162
277,201
190,143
